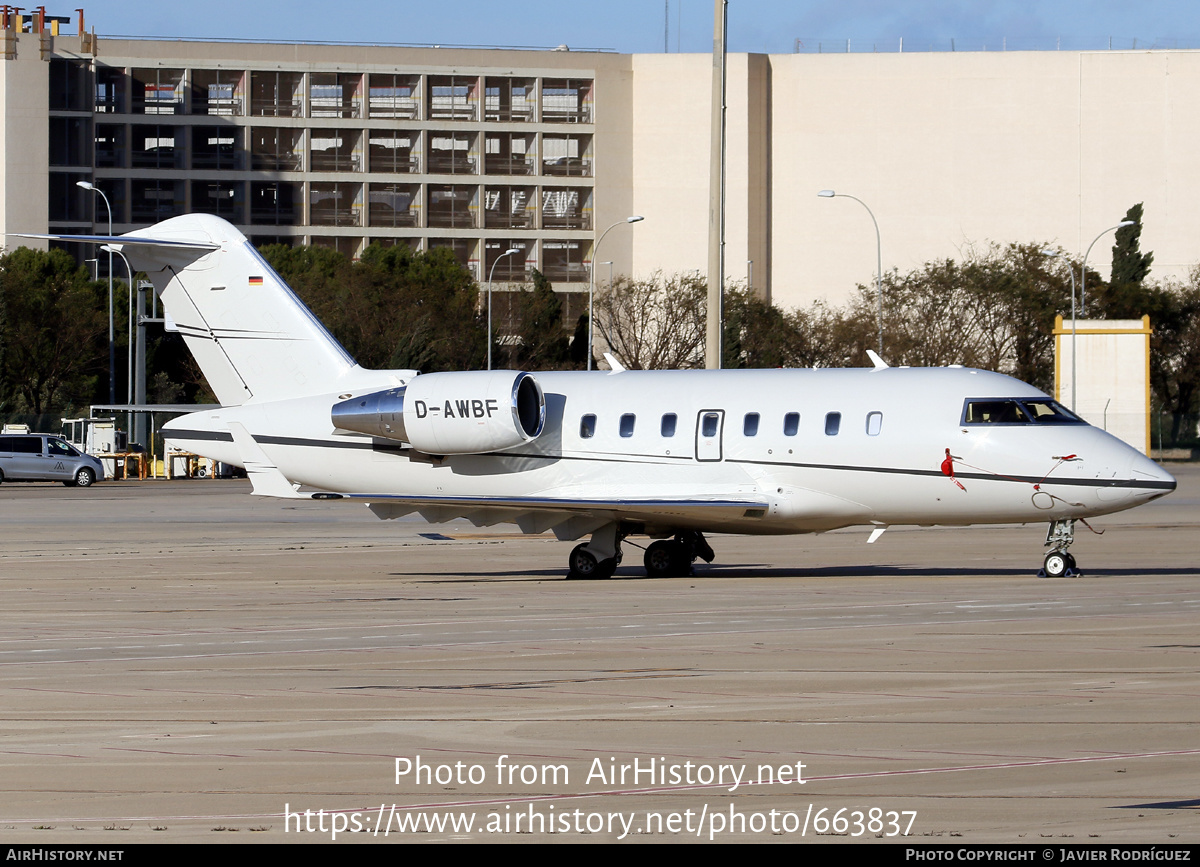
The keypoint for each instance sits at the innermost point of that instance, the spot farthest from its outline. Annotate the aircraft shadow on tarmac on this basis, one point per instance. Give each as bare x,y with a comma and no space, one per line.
758,570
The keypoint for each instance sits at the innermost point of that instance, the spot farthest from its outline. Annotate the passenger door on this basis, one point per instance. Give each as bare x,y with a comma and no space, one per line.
709,426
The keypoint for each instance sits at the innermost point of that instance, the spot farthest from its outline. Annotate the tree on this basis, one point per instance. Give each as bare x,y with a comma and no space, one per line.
52,331
541,342
396,308
654,324
1129,264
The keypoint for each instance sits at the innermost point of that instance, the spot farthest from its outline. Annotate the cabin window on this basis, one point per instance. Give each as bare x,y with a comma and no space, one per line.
1018,411
791,424
994,412
668,424
627,421
750,424
833,423
874,423
587,426
708,425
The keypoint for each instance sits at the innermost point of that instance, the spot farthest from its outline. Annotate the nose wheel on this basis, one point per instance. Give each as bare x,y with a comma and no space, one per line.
1059,563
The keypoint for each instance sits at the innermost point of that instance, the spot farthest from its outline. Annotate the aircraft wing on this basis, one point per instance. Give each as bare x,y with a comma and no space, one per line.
568,518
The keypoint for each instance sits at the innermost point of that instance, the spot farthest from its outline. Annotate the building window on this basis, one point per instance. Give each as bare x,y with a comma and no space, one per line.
453,97
276,149
394,96
335,94
567,100
336,150
153,201
568,156
395,205
274,203
566,208
452,153
509,100
509,153
70,85
394,151
70,141
510,269
562,261
218,92
224,198
276,94
335,204
216,147
157,91
157,147
68,202
509,208
110,90
453,207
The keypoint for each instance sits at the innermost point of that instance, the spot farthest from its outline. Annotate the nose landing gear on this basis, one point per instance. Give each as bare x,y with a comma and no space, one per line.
1058,563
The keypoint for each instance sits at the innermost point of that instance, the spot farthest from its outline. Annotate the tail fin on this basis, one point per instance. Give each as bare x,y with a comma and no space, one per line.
252,337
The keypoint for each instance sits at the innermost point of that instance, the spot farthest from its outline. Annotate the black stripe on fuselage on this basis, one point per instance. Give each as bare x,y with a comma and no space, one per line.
1148,484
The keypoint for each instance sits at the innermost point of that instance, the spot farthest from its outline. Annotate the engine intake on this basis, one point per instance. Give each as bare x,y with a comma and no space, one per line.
451,413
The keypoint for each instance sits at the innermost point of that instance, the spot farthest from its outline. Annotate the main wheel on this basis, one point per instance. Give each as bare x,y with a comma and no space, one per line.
583,565
661,558
85,477
1056,564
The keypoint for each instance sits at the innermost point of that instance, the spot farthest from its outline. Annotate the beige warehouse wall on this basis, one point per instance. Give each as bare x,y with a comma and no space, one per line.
670,180
951,150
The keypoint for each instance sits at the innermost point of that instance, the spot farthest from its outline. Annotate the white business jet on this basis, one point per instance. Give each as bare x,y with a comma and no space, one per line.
672,455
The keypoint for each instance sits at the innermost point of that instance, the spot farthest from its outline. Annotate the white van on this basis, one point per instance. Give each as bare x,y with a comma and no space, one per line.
46,458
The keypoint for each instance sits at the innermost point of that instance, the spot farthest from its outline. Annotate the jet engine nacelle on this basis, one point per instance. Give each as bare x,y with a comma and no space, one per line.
451,413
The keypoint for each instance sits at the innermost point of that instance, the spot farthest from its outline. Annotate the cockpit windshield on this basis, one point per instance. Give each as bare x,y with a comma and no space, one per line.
1017,411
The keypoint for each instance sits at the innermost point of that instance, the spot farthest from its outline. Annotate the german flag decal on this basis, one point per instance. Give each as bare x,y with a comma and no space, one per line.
256,281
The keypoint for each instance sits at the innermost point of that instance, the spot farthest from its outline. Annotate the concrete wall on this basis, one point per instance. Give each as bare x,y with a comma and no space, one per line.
25,143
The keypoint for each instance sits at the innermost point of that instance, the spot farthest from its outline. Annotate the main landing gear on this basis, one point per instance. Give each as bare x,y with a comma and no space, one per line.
673,558
666,558
1058,563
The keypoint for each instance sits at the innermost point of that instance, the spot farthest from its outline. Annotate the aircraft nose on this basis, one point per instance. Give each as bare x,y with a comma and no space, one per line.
1147,470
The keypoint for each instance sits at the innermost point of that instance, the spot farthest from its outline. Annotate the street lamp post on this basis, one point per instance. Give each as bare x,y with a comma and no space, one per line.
1083,264
112,376
592,280
128,270
830,194
1071,272
491,273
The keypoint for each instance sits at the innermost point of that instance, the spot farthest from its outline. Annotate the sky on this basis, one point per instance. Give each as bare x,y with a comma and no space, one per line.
642,26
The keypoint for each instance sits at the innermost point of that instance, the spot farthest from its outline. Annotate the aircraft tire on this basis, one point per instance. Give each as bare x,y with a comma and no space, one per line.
1056,564
665,559
583,565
